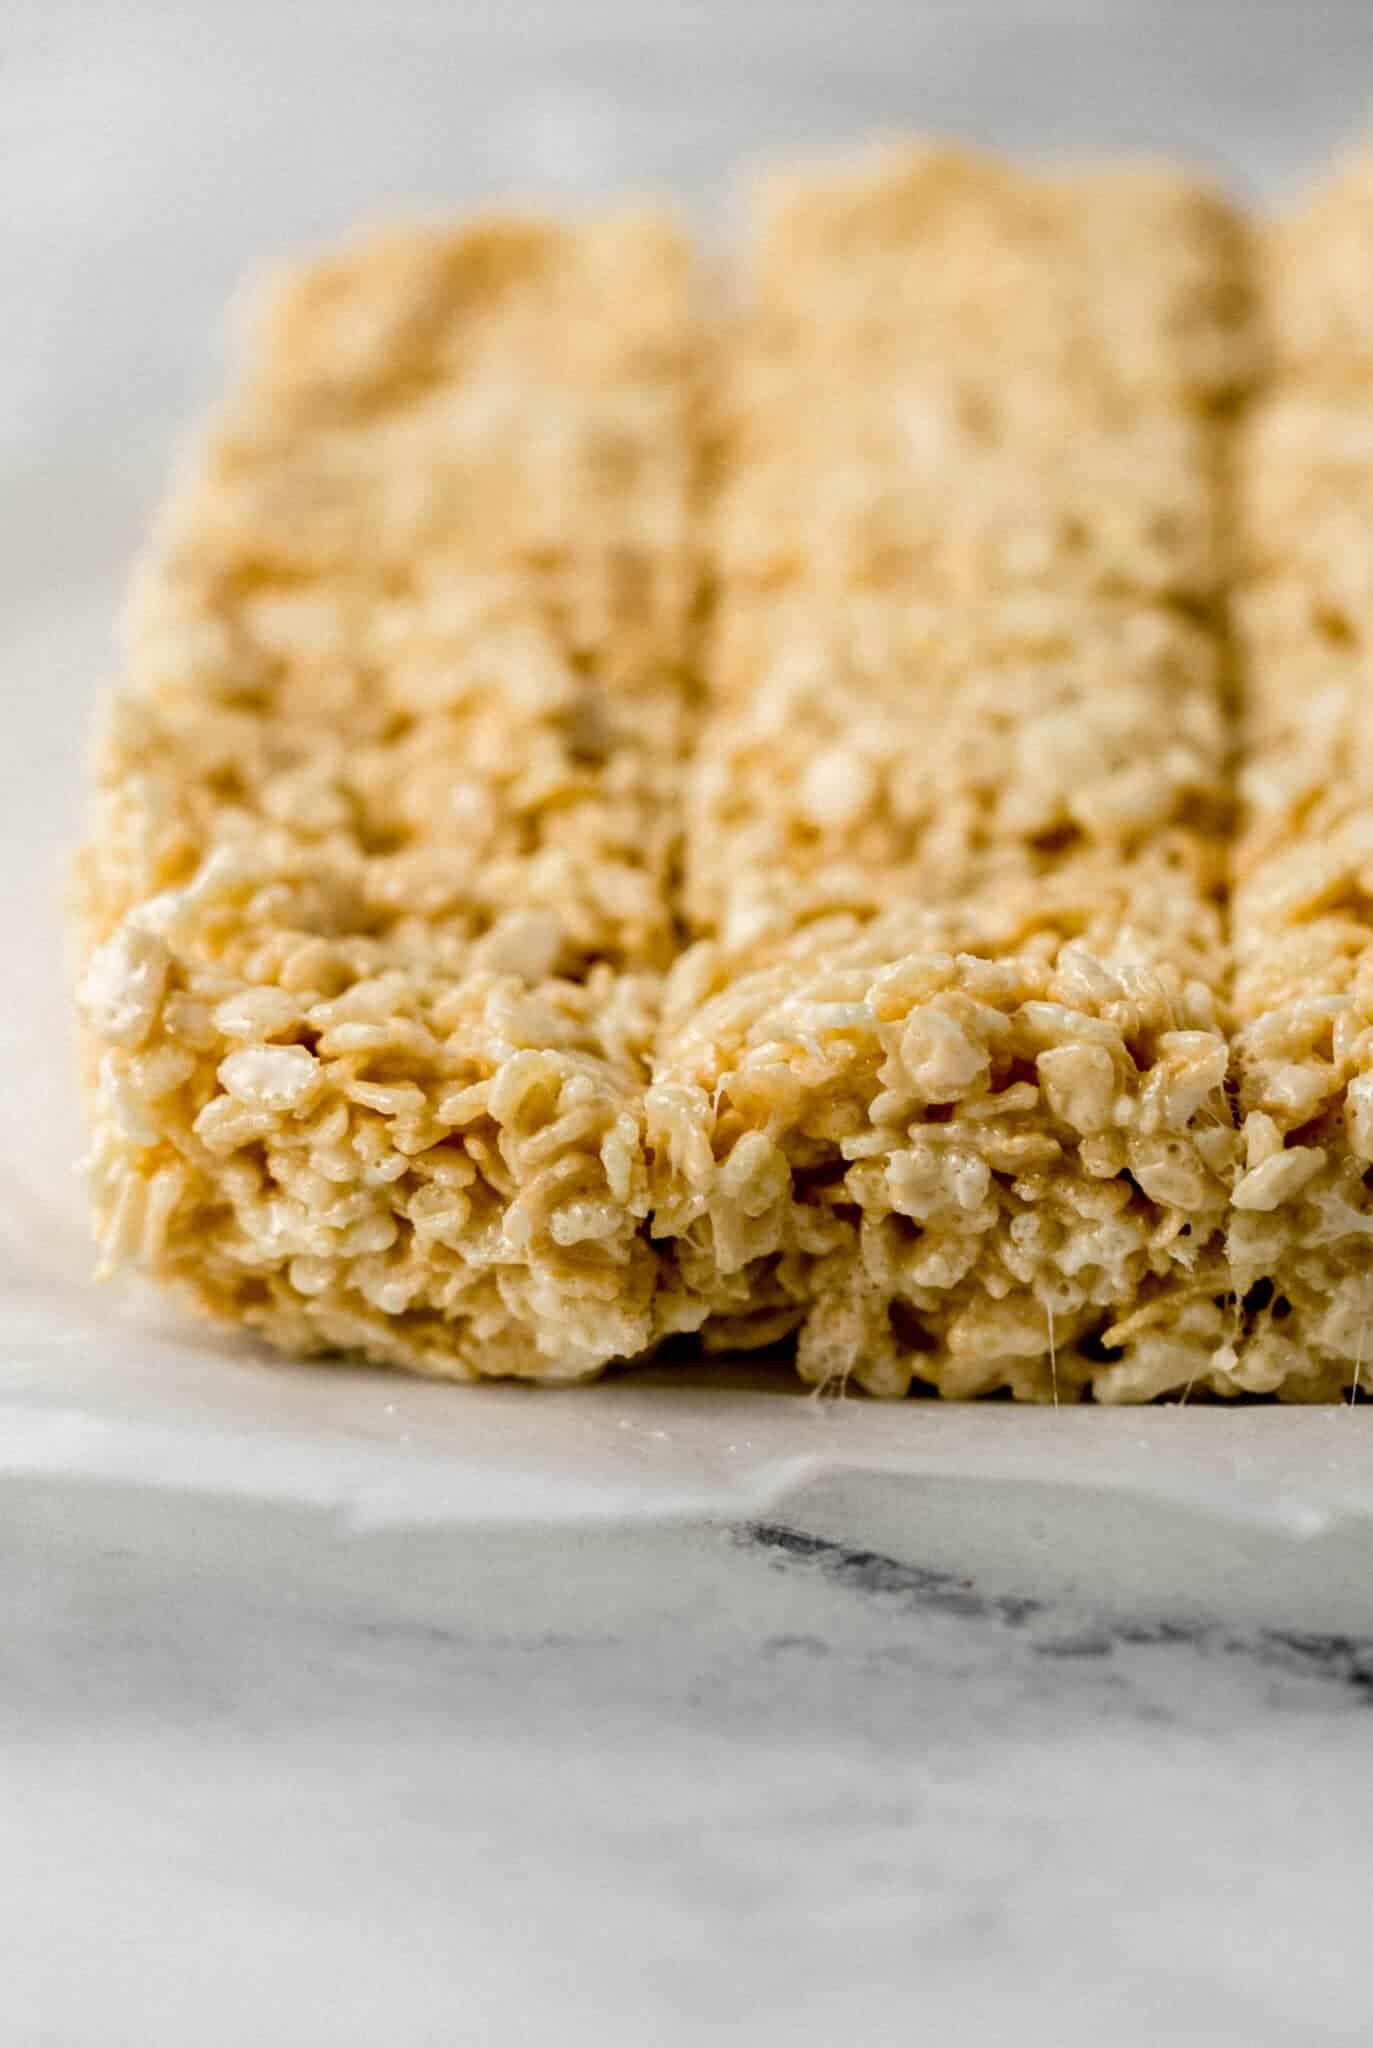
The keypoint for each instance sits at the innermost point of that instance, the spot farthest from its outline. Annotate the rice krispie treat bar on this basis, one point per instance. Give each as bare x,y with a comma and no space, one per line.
982,1140
507,946
379,890
1303,897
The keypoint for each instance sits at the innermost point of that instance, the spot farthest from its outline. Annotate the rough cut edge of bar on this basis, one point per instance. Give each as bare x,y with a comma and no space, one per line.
979,1147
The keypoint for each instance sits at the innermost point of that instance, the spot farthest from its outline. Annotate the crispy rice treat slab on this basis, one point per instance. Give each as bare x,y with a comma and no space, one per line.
610,830
943,1088
1302,1223
378,895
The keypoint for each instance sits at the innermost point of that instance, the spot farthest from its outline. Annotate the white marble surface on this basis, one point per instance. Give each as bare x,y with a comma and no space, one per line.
266,1780
640,1752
